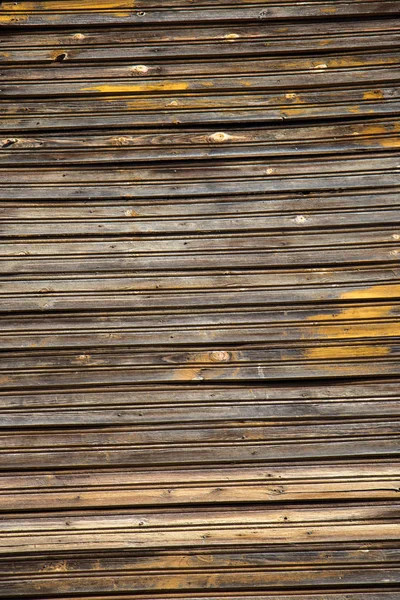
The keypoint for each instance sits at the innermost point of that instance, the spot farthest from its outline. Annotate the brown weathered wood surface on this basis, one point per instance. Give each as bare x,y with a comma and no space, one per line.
200,300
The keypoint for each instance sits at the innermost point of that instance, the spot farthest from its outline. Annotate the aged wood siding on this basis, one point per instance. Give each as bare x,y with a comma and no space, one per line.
200,300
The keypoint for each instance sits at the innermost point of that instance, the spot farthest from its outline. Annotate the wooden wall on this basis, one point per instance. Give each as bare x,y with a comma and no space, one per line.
199,300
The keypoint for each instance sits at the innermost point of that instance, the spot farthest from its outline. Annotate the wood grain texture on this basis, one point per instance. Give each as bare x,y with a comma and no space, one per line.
199,300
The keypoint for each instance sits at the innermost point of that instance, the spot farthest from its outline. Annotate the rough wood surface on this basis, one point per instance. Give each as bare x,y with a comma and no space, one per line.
200,300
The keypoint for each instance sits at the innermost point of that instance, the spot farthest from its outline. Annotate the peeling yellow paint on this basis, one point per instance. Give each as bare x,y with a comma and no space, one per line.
354,322
375,291
393,142
293,111
373,95
6,19
349,61
188,374
327,353
389,141
163,86
372,130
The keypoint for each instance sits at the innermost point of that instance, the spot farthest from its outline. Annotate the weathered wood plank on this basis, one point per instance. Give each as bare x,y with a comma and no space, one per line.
129,487
36,47
194,109
55,14
128,146
38,292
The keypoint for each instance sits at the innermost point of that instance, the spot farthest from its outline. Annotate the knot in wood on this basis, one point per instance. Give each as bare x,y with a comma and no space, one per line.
219,137
140,69
220,356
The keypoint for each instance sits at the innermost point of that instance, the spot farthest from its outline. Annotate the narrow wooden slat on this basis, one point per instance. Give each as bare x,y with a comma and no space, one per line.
33,14
194,109
118,488
126,146
239,39
164,290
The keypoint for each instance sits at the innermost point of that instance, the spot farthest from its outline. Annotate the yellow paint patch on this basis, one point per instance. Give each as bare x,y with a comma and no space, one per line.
347,61
329,10
338,352
375,291
354,323
288,112
164,86
6,19
371,130
373,95
390,142
379,130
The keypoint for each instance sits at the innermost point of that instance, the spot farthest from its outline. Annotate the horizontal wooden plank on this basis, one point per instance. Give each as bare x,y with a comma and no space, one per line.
238,39
241,570
195,444
371,74
128,487
227,251
128,146
64,14
287,324
148,529
354,164
328,594
193,571
197,288
194,109
383,390
201,179
322,358
111,73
